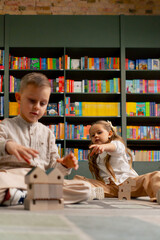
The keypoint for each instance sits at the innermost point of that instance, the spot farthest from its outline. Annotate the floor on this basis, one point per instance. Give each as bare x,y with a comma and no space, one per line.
109,219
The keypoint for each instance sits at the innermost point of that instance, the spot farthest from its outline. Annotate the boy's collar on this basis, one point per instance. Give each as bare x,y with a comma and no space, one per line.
25,122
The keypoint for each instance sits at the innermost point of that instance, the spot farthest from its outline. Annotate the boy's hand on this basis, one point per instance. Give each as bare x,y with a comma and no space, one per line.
69,161
20,152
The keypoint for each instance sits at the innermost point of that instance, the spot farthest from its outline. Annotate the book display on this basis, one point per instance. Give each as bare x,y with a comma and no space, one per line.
102,68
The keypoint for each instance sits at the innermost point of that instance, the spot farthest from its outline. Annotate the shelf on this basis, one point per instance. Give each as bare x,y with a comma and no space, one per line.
139,97
143,121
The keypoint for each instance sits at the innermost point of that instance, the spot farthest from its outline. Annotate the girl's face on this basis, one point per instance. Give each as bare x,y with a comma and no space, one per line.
99,135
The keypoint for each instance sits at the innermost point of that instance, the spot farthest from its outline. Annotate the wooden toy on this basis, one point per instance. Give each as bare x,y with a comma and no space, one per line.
125,189
158,196
44,189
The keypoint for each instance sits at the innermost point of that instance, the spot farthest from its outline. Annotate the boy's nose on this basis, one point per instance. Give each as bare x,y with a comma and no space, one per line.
36,106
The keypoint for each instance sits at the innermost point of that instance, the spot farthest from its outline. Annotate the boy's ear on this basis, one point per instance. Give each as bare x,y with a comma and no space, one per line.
18,97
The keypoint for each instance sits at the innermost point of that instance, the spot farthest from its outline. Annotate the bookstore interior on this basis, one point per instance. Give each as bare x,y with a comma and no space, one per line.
100,67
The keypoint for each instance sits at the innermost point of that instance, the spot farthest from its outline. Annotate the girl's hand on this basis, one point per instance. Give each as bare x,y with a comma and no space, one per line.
69,161
97,149
20,152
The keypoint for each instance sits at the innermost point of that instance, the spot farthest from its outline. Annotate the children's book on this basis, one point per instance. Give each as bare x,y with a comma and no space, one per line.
142,64
75,64
140,109
129,86
52,109
34,63
155,64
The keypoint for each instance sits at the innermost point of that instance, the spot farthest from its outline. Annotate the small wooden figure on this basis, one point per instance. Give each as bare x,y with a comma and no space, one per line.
125,189
158,196
44,190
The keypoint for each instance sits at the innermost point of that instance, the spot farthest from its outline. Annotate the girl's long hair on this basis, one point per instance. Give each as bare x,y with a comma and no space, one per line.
93,167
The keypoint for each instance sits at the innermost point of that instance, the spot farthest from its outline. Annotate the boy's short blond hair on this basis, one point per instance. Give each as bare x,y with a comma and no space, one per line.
36,79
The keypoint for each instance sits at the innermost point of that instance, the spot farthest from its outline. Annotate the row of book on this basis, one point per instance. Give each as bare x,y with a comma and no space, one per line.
14,84
92,108
147,155
2,59
53,109
142,64
81,131
142,86
93,86
139,155
57,85
35,63
142,109
58,130
143,132
77,131
92,63
81,154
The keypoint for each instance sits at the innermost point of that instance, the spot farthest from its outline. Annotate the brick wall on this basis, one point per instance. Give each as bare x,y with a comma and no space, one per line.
80,7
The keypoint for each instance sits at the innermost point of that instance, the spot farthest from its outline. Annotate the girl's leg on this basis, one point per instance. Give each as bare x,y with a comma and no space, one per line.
75,191
110,190
147,185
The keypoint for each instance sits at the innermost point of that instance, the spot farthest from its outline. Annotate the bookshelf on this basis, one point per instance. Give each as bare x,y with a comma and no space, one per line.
141,42
99,37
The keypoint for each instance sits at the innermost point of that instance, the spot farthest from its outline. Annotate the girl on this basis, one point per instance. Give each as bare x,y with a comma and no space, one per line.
110,162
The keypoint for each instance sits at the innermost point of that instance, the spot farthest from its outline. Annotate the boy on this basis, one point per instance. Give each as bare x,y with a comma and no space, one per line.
25,143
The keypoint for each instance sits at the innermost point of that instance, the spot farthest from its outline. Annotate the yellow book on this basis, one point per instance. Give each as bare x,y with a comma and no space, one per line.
84,109
131,108
13,108
76,152
90,63
61,130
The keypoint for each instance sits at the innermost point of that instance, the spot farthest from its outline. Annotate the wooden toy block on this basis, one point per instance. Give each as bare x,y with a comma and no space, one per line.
45,190
125,189
158,196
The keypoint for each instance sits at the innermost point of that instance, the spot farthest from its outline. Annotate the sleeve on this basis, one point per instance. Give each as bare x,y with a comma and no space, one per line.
3,139
120,148
53,149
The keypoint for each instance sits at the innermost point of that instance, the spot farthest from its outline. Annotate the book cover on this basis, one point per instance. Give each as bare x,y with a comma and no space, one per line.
34,63
75,64
140,109
131,108
77,86
142,64
155,64
129,86
52,109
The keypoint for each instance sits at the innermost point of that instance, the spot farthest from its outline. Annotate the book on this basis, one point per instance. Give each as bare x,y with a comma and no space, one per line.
129,86
131,108
140,109
75,64
14,108
155,64
142,64
77,86
52,109
34,63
